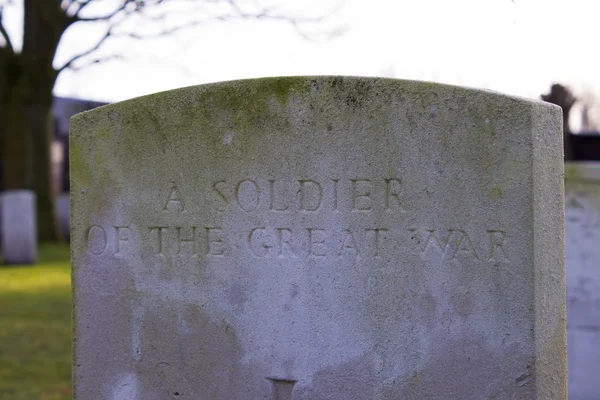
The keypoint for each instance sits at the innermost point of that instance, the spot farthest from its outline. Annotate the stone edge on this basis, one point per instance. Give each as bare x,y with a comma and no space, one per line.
294,80
549,277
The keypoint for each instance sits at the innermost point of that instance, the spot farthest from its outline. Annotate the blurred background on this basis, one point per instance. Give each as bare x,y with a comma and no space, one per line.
58,58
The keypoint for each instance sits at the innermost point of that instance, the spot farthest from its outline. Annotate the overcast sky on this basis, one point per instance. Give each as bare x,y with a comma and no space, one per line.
518,47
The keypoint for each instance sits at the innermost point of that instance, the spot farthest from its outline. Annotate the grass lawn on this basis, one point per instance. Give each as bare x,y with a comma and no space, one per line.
35,328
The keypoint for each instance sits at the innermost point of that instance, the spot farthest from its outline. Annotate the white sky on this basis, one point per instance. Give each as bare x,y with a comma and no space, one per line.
518,47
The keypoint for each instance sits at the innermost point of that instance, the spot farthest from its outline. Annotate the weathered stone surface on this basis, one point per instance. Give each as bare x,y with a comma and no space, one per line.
319,238
582,209
19,232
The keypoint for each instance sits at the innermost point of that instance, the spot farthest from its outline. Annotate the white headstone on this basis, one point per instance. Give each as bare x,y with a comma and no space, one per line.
319,238
19,229
583,278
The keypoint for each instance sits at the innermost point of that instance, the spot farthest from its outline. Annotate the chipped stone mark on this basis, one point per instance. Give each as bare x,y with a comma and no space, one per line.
523,379
282,388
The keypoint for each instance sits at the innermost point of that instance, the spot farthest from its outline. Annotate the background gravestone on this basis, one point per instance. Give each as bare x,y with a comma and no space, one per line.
582,211
319,238
19,232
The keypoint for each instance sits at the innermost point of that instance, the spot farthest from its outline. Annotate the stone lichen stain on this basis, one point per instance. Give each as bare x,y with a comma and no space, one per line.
495,194
463,301
485,373
203,364
228,139
237,296
355,379
427,308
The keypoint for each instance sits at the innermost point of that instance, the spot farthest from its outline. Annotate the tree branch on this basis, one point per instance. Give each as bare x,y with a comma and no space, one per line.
4,33
129,8
106,17
96,61
80,6
236,15
69,64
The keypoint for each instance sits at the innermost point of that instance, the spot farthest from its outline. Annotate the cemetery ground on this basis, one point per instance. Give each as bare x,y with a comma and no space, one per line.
35,328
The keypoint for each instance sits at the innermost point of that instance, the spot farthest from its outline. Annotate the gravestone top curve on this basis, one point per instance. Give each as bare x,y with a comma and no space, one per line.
319,238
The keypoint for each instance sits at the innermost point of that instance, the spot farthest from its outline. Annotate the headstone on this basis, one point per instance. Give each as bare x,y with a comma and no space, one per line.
19,229
582,211
319,238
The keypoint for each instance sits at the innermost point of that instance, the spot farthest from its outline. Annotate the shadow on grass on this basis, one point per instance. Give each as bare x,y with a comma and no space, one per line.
35,328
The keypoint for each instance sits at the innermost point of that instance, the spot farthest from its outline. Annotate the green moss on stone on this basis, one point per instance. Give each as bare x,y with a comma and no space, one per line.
495,194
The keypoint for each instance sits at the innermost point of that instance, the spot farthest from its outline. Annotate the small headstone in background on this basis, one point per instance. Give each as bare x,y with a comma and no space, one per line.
582,220
319,238
19,229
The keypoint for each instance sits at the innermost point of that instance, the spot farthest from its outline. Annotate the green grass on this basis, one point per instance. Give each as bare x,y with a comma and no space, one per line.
35,328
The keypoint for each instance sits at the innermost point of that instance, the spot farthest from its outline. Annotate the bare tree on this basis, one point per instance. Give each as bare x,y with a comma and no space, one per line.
562,96
28,75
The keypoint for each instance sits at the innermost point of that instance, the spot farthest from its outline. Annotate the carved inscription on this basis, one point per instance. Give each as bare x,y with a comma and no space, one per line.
287,243
122,237
453,242
188,240
175,201
298,240
308,195
273,242
97,240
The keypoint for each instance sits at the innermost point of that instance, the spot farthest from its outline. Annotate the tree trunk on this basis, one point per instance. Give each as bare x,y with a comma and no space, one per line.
26,125
16,173
26,159
41,128
26,129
